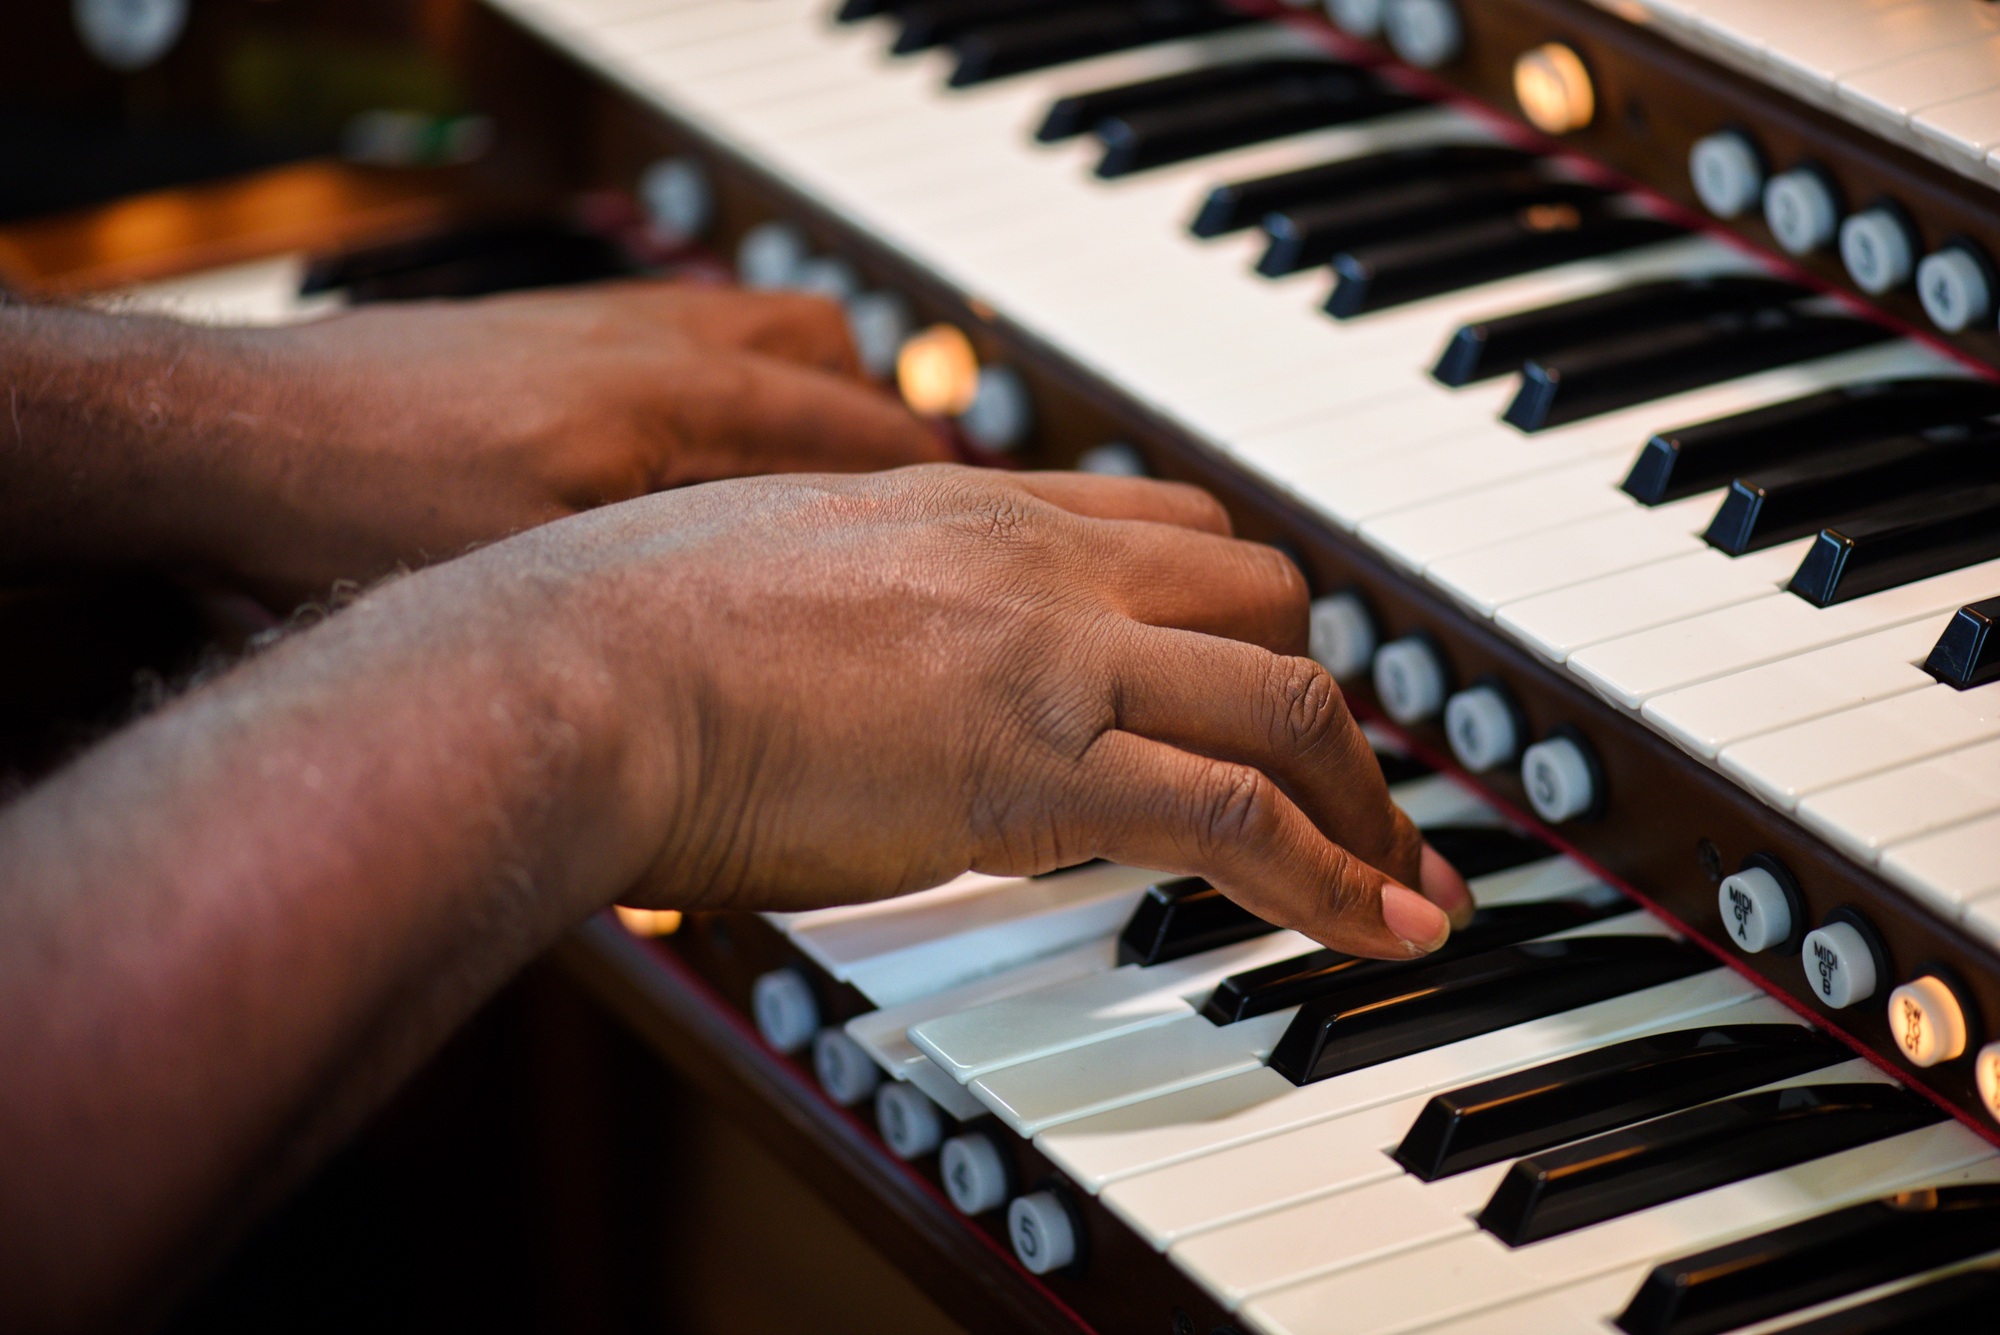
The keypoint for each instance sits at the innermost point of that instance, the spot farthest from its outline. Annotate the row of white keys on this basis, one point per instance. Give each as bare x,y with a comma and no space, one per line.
1783,766
1182,1127
1366,1220
1473,1271
1034,1095
1315,1161
1636,670
1867,815
1954,870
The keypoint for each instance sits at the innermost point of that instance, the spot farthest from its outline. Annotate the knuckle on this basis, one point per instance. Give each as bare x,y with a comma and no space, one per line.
1309,713
1232,807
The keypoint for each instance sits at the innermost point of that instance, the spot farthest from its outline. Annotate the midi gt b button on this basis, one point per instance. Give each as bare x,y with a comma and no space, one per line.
1840,964
1927,1021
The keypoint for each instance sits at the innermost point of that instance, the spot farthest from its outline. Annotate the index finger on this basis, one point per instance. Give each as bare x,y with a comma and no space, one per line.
1095,496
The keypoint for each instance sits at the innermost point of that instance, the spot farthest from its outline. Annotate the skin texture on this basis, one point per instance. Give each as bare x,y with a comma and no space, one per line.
281,460
228,931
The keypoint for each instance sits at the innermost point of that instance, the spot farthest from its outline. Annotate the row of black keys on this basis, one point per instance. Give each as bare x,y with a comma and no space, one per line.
1629,1126
1914,489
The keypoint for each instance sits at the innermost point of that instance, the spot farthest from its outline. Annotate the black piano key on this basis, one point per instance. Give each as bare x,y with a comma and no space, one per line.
1901,543
1964,1301
1080,113
1239,204
1311,234
1398,768
1614,373
1622,1172
1794,499
1081,32
927,23
1792,1268
1308,99
1691,459
1490,348
1175,919
854,11
1967,654
1302,978
1390,273
1482,850
1614,1086
1442,1002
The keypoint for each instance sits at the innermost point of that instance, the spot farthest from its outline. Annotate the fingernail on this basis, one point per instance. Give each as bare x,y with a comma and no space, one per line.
1444,887
1418,923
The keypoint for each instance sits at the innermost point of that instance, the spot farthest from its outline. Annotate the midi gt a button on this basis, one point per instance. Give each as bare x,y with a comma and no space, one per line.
1758,910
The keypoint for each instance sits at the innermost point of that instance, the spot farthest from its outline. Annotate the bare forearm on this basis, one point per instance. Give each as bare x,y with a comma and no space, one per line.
292,882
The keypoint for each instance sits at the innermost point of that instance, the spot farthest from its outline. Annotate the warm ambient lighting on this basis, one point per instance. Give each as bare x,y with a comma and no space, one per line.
938,372
1554,89
648,922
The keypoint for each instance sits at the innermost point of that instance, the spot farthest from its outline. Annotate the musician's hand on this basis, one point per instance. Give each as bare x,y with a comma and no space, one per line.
412,432
842,688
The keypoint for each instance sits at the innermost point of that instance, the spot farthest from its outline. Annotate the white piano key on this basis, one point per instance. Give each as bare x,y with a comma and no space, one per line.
1539,506
1032,1096
928,942
1175,1128
1868,815
1314,1161
1475,1271
1487,577
1950,869
1708,716
1634,668
1088,1010
1783,766
1440,799
1559,623
1584,1308
884,1033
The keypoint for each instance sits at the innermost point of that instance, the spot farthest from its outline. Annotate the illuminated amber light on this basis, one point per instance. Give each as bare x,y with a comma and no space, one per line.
648,922
1554,89
1551,218
938,372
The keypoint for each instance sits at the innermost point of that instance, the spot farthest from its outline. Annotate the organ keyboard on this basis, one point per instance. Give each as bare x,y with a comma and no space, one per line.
1664,536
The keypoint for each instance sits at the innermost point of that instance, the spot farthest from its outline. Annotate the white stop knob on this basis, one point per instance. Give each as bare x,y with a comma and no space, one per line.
1839,965
1114,458
1341,634
827,276
1361,18
878,322
975,1174
1800,209
1043,1235
1001,413
129,34
845,1070
1479,723
1561,782
786,1014
1756,912
1878,250
1427,33
1927,1022
770,255
1727,172
1409,679
678,199
910,1123
1953,286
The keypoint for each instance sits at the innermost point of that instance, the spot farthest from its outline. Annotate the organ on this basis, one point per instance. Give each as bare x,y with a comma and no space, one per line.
1622,375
